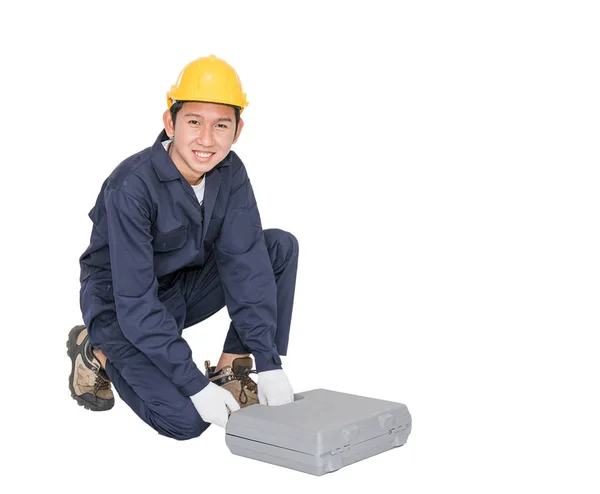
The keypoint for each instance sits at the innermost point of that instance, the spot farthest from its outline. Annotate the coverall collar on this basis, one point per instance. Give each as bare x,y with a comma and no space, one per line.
163,164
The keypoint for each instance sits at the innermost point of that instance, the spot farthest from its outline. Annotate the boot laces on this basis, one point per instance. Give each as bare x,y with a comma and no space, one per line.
246,382
100,384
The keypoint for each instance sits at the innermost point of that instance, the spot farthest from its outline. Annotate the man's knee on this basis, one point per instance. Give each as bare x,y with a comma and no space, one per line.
282,246
186,425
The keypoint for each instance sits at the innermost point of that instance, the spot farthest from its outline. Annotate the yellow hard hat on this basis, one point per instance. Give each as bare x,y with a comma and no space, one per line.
208,79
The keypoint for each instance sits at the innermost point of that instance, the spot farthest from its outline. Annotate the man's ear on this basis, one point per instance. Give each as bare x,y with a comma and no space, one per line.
168,121
239,131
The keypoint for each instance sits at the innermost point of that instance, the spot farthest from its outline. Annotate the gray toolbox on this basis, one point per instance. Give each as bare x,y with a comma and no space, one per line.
320,432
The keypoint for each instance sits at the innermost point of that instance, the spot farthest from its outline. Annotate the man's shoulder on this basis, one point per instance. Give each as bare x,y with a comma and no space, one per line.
233,165
132,173
234,160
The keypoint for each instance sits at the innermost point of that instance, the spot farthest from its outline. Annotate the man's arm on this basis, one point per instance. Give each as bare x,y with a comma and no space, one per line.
247,274
143,318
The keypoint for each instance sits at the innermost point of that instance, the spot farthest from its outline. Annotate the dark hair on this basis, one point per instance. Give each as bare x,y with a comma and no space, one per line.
178,105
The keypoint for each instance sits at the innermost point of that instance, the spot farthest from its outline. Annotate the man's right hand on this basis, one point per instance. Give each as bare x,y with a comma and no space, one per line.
214,404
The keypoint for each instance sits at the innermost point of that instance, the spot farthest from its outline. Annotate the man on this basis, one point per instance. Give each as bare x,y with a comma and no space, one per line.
177,236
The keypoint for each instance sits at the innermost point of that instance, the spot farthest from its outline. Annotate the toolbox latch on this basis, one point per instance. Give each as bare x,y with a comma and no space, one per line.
343,449
395,430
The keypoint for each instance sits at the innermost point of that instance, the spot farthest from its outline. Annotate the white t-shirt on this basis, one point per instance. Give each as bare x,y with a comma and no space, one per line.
198,189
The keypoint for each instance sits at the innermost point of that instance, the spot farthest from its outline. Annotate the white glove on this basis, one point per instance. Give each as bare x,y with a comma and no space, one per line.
212,404
274,388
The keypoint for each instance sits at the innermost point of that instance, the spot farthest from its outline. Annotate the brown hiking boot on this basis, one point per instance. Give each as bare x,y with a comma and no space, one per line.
89,384
236,379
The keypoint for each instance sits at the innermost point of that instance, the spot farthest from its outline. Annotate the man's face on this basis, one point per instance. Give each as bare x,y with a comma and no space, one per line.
204,133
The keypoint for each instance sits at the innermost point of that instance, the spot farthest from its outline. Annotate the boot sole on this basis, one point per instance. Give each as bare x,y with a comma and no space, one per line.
72,353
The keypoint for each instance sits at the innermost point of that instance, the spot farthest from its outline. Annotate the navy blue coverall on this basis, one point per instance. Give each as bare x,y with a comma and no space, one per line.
158,262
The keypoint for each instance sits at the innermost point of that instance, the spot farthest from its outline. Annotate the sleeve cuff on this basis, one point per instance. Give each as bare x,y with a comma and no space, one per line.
195,385
267,361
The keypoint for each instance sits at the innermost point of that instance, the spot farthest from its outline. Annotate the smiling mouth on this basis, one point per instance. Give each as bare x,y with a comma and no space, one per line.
203,154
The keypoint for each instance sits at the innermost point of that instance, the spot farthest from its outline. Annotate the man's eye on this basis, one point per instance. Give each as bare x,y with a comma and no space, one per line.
194,122
222,126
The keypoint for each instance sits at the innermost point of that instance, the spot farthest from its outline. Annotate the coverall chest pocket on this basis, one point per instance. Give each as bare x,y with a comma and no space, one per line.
168,241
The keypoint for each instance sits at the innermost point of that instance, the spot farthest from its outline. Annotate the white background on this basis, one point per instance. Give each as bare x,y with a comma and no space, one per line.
438,162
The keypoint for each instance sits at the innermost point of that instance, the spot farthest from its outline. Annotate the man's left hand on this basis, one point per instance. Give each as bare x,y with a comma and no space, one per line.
274,388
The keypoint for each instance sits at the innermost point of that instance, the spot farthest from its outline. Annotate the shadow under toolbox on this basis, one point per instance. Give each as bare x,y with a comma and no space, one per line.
320,432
